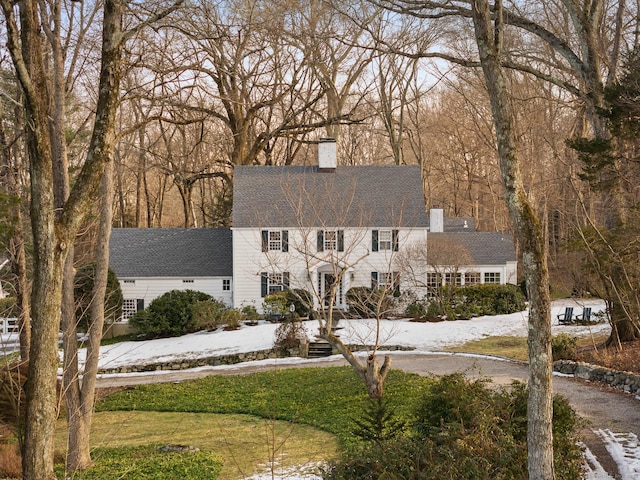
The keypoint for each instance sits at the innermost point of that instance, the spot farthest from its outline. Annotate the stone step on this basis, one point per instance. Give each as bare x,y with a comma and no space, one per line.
319,349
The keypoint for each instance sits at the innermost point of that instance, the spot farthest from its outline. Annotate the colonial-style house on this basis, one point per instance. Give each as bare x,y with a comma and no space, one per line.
322,228
329,226
152,261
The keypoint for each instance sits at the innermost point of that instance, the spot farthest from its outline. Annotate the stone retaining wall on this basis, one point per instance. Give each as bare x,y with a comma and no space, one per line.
183,364
625,381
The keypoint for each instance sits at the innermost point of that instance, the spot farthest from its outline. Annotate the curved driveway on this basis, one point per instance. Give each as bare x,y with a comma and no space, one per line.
601,407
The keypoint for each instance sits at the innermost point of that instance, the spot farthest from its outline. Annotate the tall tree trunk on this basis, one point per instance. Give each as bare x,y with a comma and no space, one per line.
80,408
53,234
531,239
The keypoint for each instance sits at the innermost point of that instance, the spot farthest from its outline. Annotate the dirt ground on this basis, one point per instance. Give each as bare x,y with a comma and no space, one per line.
624,357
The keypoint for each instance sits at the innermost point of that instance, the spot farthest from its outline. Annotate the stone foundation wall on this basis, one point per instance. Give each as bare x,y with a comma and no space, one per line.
625,381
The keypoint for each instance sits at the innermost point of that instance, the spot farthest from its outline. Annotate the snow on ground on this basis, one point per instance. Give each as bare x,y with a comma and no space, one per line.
424,337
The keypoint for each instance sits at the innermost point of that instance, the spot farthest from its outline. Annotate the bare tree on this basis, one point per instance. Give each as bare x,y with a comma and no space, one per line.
435,268
331,246
489,37
54,230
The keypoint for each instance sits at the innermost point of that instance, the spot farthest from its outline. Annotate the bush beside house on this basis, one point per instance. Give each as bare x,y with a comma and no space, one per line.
169,315
462,303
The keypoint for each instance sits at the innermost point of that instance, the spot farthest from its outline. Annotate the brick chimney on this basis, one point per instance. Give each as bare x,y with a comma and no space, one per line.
327,160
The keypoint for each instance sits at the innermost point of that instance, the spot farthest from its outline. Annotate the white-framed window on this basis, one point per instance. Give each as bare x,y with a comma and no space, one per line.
384,240
471,278
330,240
453,279
226,285
188,280
385,280
275,240
273,282
129,282
131,306
491,277
434,281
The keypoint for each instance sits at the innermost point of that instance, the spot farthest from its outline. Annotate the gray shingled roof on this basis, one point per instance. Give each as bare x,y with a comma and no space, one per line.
459,224
351,196
485,248
171,252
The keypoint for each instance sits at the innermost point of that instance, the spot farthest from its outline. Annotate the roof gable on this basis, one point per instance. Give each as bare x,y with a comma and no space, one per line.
171,252
350,196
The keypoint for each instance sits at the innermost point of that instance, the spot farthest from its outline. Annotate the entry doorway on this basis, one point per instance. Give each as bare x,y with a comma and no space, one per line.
326,281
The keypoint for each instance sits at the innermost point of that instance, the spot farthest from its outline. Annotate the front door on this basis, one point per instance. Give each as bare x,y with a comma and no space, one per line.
327,281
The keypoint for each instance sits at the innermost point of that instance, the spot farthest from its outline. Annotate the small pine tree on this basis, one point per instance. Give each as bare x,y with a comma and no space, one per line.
378,422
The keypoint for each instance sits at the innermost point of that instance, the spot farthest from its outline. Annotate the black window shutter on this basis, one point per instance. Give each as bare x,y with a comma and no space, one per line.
285,240
285,279
374,280
341,240
263,284
374,240
139,304
394,240
396,282
265,240
320,240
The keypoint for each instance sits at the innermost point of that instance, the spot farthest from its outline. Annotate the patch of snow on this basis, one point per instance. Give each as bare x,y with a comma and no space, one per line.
423,337
624,449
592,468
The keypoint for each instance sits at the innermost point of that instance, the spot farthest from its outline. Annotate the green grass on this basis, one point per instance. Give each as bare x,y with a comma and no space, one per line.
325,398
290,417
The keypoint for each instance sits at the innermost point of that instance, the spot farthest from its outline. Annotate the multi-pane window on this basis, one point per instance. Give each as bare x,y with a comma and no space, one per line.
471,278
492,277
226,285
187,281
275,240
384,239
385,280
131,306
453,279
434,280
330,240
274,282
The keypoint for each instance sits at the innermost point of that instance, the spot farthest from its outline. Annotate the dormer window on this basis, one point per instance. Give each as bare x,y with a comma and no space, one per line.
275,240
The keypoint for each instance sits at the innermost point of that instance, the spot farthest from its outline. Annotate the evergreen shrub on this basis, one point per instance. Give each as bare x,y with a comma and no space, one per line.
169,315
83,292
463,429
